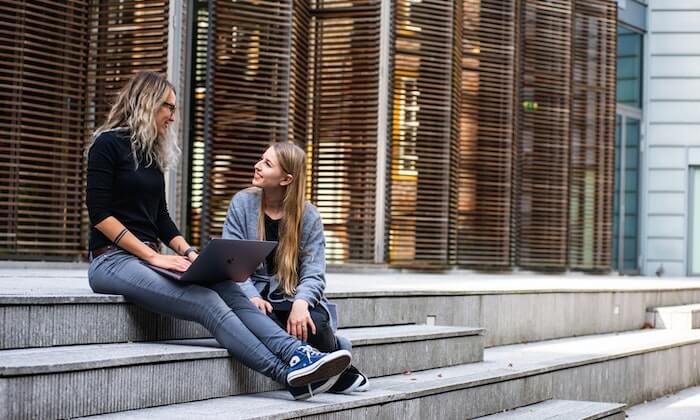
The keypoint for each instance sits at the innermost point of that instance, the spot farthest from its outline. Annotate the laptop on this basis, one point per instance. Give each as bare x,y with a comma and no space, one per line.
222,260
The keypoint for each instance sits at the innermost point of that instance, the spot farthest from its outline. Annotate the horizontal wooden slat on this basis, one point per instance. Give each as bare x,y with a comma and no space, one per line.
486,133
592,135
543,134
424,148
344,132
43,75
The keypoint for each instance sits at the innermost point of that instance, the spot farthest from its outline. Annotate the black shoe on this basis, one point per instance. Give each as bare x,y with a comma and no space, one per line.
352,380
305,392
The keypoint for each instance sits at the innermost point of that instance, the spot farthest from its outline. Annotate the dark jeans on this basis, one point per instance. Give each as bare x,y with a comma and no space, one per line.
324,339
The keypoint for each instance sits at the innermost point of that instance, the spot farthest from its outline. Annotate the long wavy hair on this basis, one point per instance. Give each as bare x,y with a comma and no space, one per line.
292,160
136,107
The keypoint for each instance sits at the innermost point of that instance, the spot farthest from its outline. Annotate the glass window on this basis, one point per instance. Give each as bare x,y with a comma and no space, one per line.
625,199
695,222
629,67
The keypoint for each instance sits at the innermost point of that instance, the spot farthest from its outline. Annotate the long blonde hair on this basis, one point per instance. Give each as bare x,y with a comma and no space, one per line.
136,107
292,160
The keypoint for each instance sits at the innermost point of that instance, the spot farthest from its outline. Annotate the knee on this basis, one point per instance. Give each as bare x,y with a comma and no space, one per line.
210,307
231,293
320,319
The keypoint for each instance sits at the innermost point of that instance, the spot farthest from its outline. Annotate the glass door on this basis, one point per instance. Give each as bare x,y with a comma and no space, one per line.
625,256
694,250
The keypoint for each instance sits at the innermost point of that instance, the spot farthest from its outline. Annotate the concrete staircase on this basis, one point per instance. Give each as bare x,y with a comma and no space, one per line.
564,410
681,317
74,353
101,378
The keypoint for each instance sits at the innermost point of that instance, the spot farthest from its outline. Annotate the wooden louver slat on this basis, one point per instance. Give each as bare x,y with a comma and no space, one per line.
542,168
592,135
424,144
42,92
486,133
343,142
126,37
253,52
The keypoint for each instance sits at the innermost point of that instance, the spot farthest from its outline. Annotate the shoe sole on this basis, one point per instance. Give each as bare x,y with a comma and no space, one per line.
351,388
332,365
363,387
320,390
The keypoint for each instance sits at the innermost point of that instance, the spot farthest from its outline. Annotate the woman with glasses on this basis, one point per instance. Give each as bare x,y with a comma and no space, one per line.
129,216
290,284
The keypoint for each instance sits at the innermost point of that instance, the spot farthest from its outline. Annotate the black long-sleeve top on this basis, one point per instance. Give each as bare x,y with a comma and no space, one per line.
135,197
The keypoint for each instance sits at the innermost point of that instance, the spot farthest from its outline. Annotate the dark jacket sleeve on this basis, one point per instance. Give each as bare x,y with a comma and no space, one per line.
102,159
166,227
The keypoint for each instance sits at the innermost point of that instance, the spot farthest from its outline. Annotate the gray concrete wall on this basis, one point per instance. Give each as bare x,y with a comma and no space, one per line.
507,317
518,317
672,105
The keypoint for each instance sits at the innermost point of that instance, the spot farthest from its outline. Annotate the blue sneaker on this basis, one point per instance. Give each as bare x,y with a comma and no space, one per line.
309,365
305,392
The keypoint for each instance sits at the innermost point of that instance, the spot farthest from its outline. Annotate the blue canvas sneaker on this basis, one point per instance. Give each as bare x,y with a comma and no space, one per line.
305,392
309,365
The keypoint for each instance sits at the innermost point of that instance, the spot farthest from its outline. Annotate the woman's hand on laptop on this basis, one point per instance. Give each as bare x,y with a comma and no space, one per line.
170,262
262,304
192,256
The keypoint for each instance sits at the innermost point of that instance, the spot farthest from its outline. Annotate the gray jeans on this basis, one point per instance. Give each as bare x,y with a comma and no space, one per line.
249,335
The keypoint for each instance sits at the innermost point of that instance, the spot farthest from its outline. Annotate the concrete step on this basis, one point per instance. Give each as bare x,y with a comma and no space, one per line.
563,410
683,405
682,317
626,368
70,381
45,307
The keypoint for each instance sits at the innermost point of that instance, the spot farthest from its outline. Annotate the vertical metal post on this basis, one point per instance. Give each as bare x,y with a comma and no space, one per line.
383,140
209,91
621,224
175,37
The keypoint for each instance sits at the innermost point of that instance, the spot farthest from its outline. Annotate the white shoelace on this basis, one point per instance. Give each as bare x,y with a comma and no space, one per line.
309,351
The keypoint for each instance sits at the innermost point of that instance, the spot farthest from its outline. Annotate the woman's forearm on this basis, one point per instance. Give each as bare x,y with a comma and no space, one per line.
115,231
179,245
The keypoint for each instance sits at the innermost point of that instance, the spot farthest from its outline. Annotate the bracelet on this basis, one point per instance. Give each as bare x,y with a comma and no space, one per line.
120,236
188,250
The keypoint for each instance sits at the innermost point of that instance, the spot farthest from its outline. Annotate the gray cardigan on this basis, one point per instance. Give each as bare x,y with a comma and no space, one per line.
242,223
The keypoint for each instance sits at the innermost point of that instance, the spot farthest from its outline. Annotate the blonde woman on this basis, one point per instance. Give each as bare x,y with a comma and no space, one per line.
289,286
128,216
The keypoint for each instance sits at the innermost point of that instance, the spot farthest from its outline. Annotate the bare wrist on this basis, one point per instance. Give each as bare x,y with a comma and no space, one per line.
302,303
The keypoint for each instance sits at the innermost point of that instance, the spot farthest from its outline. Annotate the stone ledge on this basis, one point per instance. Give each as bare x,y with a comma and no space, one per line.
98,356
612,367
562,410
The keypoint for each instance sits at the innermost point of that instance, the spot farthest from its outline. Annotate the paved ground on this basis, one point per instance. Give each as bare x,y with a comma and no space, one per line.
30,280
684,405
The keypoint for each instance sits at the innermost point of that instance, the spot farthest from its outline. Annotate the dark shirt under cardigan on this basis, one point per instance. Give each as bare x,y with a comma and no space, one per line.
135,197
272,233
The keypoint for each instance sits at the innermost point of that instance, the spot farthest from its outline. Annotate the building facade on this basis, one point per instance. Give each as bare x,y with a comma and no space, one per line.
470,133
671,144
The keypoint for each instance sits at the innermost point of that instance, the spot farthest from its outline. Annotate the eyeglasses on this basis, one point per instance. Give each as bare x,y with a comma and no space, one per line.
171,107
